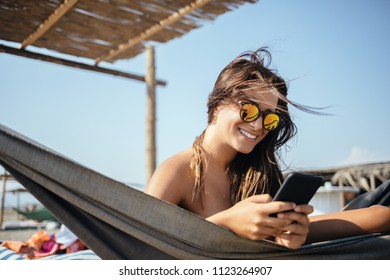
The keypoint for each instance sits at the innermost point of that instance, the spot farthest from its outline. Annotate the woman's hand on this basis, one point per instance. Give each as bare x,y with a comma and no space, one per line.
250,218
295,233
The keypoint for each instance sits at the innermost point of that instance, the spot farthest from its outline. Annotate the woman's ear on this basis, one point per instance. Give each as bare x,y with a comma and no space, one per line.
215,114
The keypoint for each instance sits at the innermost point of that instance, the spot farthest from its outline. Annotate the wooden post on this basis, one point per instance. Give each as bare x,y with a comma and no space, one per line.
372,181
3,200
150,113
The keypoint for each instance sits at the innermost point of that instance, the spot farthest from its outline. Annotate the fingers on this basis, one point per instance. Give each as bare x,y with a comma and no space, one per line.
304,208
269,207
290,241
295,233
261,198
299,212
262,226
294,216
297,229
259,233
293,237
276,207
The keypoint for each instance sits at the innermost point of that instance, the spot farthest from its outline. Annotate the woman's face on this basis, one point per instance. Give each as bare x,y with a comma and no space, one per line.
240,135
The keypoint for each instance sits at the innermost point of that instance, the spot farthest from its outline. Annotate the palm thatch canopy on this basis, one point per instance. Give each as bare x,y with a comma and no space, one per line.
104,30
363,176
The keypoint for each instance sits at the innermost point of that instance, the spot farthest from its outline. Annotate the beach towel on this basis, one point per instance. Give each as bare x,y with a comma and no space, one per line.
119,222
7,254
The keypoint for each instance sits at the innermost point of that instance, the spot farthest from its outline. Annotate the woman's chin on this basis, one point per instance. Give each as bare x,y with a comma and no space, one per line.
245,150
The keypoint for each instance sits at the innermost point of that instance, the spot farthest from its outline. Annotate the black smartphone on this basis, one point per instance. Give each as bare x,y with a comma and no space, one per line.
299,188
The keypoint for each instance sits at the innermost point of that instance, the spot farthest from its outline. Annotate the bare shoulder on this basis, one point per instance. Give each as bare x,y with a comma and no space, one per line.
172,179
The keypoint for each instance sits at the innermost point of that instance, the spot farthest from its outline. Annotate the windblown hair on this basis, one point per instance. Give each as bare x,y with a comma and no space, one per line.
257,172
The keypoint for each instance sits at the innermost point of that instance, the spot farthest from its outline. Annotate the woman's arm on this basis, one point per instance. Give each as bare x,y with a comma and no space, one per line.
349,223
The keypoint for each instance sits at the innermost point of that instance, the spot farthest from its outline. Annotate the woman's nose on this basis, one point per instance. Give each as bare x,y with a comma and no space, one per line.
258,123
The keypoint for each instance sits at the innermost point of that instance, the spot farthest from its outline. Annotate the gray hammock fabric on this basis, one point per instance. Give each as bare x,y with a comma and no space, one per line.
119,222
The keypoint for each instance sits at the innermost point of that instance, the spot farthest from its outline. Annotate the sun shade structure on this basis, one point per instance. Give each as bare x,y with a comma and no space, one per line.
106,31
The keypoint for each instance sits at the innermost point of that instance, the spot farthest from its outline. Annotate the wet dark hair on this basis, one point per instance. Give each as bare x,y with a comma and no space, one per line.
258,171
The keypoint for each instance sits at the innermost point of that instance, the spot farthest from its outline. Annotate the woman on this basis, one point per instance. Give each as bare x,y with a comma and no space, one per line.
231,172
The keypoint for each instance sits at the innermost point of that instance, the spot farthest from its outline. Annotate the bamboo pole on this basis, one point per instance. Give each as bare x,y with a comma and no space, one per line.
372,181
150,113
3,200
49,22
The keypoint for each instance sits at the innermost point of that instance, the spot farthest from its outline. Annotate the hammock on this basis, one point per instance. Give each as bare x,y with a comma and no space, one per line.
119,222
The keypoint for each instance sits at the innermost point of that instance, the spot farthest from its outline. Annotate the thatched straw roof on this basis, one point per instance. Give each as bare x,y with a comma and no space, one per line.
104,30
365,176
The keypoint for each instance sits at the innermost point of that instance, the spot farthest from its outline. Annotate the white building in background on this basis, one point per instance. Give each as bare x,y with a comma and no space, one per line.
329,199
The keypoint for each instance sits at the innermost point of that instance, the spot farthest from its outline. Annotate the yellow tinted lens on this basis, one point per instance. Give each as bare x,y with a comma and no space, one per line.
270,121
249,112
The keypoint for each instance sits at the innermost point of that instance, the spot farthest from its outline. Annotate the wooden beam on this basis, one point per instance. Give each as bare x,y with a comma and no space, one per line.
49,22
150,113
153,30
74,64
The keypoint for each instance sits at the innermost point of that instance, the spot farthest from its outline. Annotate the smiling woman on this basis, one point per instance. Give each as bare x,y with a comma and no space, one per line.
236,156
231,172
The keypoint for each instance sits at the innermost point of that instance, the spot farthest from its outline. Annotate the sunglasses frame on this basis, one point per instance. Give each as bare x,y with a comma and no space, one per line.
261,113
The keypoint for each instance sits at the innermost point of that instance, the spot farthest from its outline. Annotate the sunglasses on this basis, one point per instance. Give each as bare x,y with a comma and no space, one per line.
250,112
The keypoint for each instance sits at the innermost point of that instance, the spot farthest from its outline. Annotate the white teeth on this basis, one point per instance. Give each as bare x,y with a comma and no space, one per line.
247,134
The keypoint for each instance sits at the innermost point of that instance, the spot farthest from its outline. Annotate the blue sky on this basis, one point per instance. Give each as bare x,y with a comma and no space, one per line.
336,53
